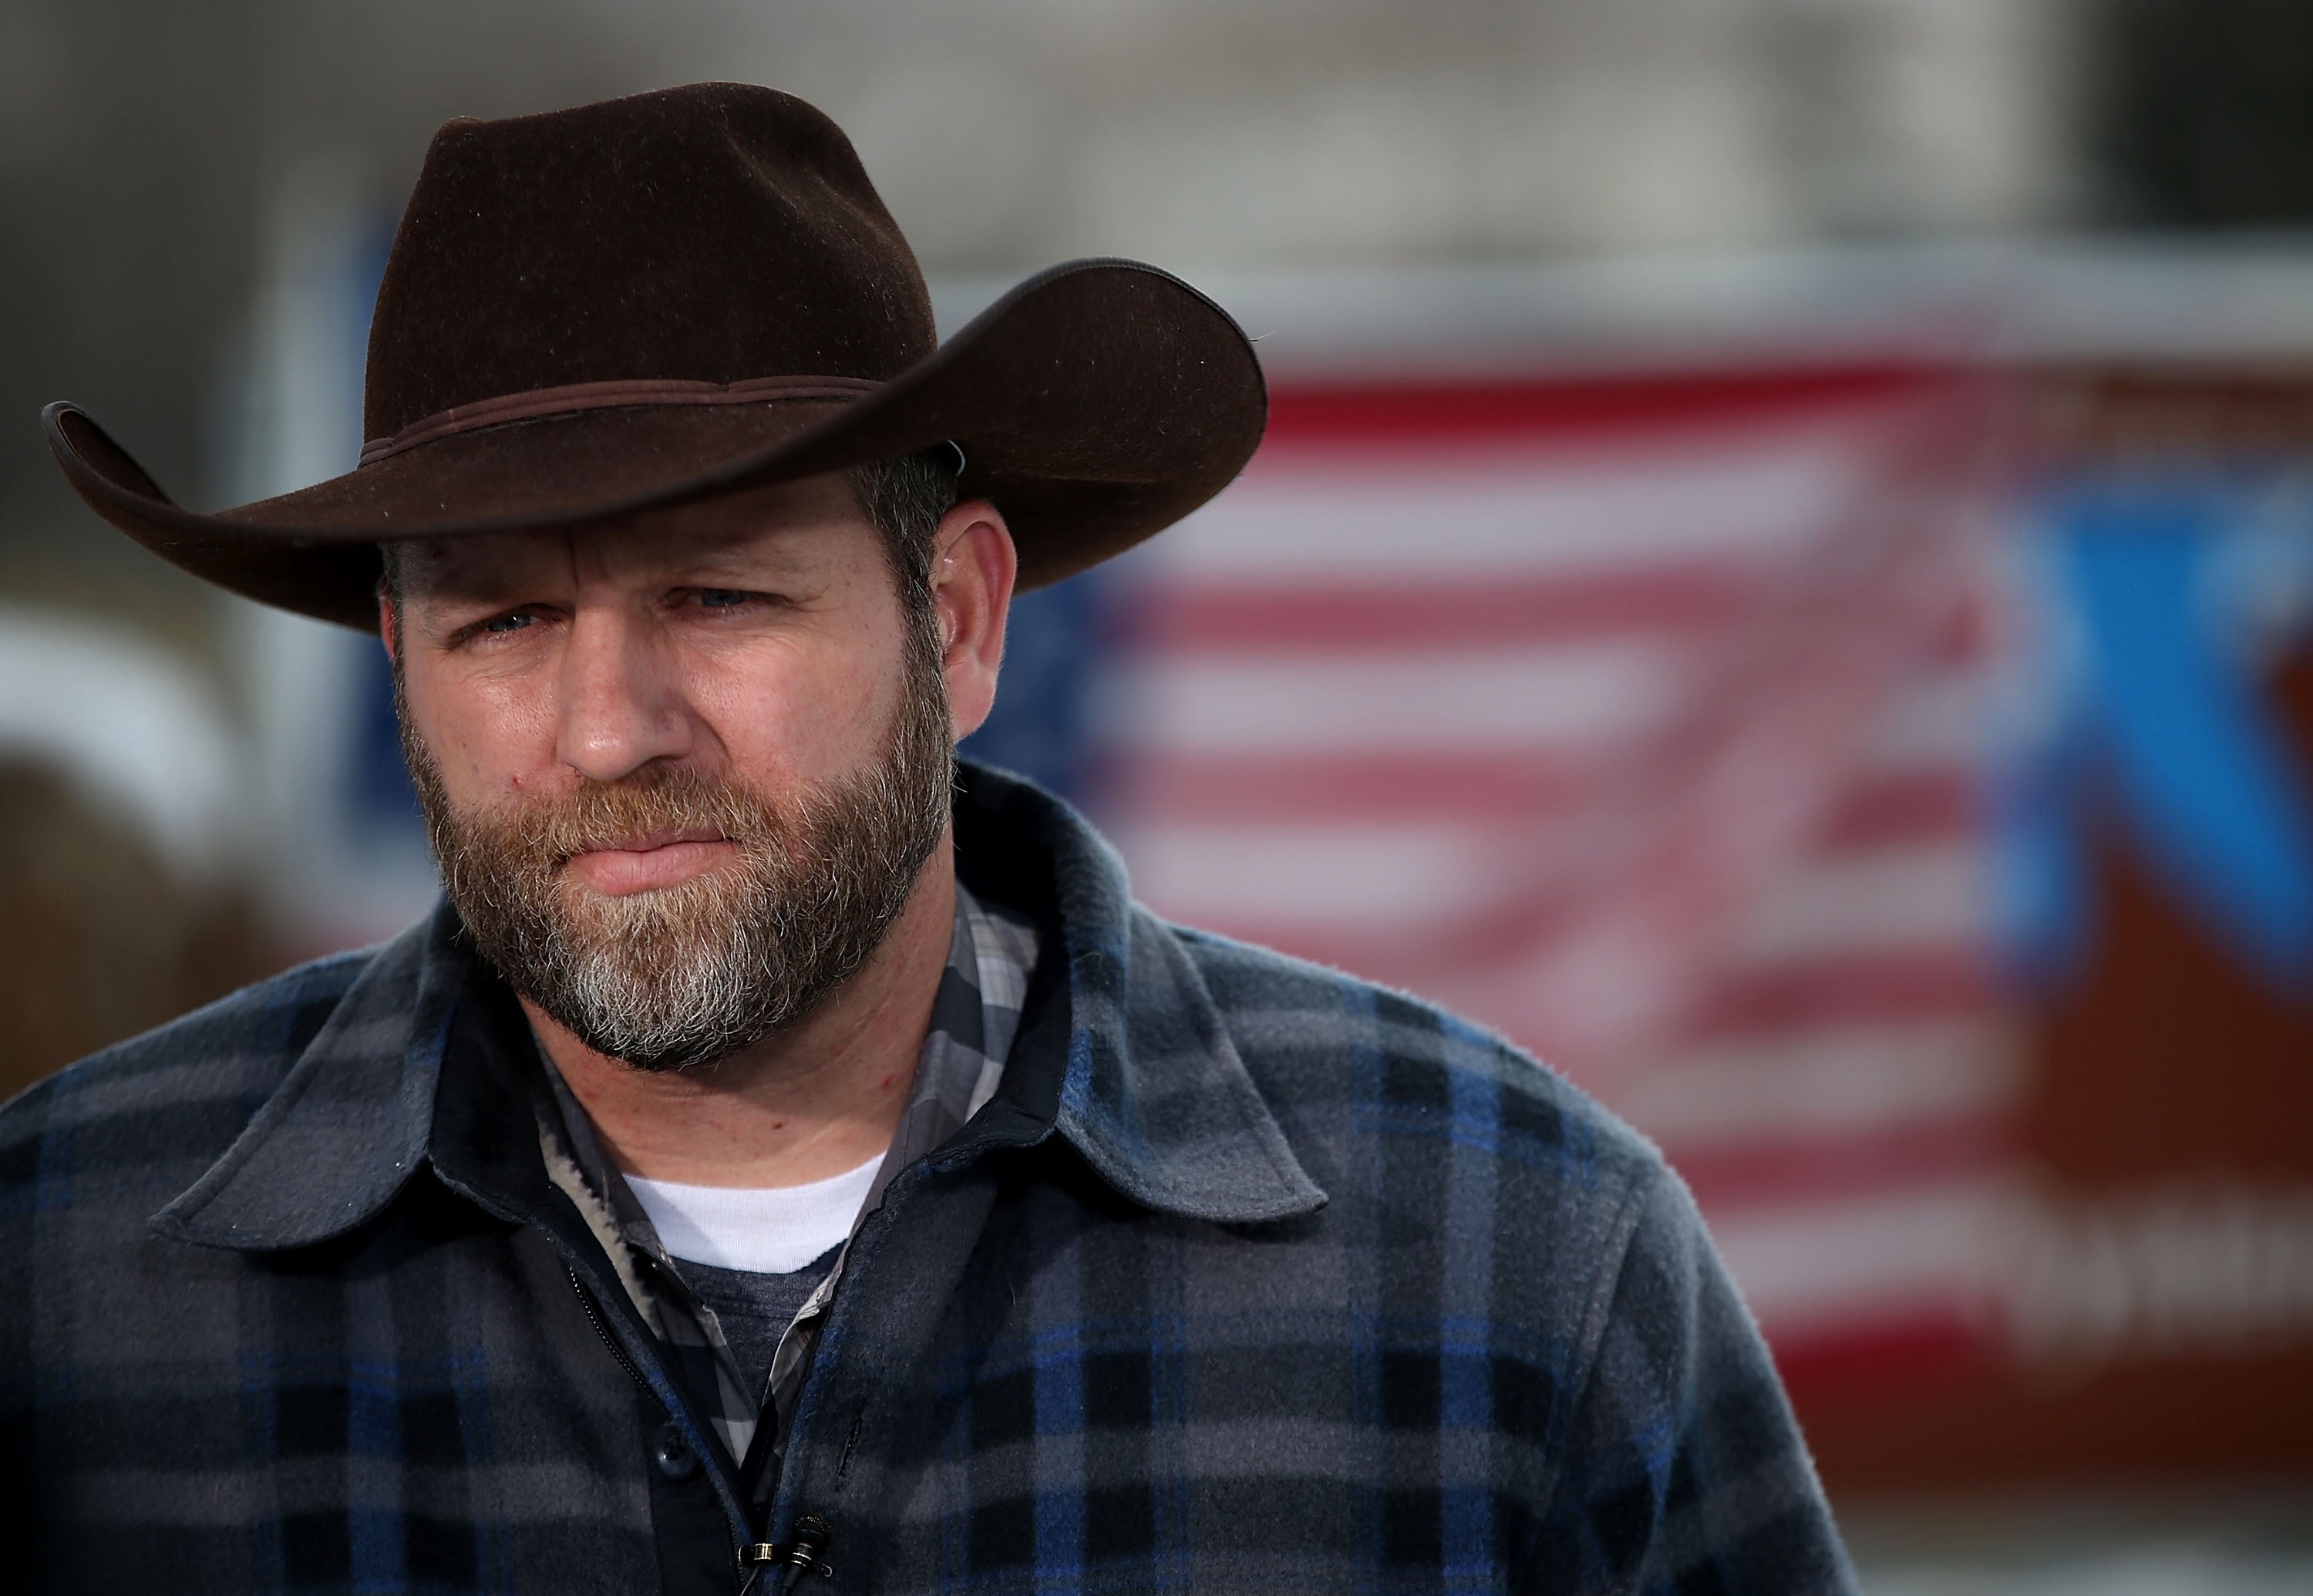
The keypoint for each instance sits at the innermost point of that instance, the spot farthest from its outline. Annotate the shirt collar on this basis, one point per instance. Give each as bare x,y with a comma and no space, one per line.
1121,1052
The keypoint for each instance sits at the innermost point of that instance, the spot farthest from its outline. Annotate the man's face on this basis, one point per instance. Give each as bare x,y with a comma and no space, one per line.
681,770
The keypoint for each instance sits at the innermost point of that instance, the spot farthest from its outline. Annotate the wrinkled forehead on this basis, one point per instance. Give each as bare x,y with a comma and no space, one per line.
783,530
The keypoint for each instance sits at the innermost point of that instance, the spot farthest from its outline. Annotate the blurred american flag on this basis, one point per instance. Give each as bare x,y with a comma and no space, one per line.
1640,717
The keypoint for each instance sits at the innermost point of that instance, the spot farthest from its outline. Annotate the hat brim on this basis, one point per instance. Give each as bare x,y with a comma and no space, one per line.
1096,403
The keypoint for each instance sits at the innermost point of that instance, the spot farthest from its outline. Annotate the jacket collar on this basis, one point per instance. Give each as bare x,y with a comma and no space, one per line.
351,1122
1121,1052
1147,1084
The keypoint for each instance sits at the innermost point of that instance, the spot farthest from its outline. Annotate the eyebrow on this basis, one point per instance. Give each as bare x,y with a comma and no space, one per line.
745,558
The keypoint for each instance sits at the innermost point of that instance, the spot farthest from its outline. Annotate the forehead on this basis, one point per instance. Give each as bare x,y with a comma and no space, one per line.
783,527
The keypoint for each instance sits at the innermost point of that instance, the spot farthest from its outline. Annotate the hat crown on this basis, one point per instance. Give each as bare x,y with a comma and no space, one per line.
714,233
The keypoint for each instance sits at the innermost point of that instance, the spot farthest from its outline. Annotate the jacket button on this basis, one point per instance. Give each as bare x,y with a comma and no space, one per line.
672,1453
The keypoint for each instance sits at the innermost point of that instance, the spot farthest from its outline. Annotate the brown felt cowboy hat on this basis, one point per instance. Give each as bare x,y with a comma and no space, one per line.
660,298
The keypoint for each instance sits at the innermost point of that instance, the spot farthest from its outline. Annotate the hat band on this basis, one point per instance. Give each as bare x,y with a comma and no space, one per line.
575,397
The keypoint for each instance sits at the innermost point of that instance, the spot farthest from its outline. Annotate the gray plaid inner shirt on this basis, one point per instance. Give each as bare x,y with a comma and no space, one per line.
961,1064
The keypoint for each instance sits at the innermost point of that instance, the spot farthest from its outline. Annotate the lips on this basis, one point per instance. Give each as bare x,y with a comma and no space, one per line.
648,842
652,860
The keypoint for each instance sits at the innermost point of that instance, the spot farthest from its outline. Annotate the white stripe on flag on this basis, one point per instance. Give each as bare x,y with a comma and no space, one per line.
1280,877
1409,882
1346,515
1888,898
1214,702
1806,1268
1834,1081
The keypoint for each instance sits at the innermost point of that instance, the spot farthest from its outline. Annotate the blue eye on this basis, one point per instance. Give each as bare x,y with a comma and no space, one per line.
722,598
513,621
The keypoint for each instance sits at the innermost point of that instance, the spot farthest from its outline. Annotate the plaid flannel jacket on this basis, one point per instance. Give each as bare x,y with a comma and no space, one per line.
1250,1277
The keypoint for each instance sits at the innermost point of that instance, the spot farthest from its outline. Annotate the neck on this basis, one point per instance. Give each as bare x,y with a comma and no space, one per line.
812,1101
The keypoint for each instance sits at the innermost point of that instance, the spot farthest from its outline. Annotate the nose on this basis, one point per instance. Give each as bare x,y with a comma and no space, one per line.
621,703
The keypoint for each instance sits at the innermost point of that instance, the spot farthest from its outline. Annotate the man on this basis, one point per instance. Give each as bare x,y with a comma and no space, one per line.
786,1161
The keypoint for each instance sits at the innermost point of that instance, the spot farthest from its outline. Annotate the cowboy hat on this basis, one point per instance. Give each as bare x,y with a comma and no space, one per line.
650,300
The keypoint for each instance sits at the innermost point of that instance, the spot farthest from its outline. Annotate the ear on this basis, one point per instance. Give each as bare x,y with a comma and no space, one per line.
388,621
973,566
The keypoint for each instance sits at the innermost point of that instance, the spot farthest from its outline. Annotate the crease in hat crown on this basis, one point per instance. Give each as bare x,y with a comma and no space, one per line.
594,311
717,234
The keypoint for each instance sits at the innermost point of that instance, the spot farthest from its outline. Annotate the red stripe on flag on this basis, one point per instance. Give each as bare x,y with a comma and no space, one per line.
1468,412
1916,807
1465,413
1929,1345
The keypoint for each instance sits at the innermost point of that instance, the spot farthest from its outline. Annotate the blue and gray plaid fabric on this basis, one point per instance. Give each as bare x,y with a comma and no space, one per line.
1249,1276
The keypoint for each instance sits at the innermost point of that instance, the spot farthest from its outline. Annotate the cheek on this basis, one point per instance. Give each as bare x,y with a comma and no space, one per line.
803,715
488,737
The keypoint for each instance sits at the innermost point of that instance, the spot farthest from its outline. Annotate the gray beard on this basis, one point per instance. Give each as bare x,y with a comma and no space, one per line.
679,977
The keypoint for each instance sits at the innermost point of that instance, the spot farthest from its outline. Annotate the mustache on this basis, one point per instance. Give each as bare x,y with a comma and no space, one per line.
605,814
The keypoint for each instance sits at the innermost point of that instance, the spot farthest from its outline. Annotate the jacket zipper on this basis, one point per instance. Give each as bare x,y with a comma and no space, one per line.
793,1560
604,1331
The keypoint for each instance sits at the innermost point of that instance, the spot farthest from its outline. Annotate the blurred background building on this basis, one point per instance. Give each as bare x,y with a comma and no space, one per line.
1782,577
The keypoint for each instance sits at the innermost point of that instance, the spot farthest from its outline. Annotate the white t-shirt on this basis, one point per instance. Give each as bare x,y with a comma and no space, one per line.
764,1229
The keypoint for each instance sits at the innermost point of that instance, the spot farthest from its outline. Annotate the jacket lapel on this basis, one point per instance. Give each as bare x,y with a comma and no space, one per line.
1152,1091
354,1117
